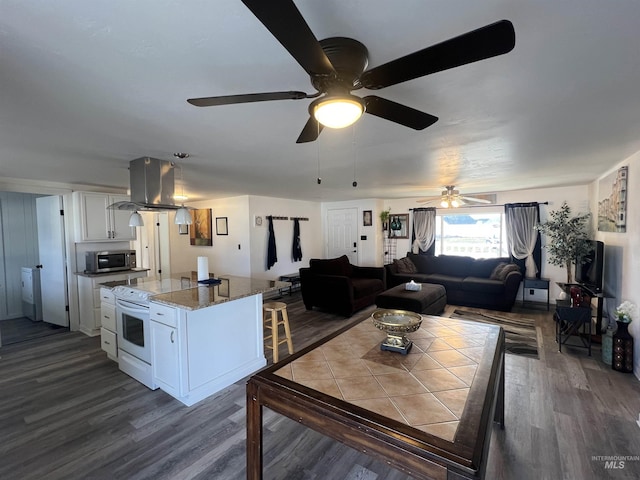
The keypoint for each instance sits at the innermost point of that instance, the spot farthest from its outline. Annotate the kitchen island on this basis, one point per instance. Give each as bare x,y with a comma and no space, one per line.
205,338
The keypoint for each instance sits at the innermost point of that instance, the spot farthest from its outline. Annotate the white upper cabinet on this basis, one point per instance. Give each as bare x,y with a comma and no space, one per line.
95,223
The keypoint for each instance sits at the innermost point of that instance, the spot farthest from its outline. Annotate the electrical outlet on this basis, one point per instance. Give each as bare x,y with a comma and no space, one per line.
531,291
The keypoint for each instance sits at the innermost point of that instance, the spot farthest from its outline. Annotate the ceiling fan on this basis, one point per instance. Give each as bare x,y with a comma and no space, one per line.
451,198
337,66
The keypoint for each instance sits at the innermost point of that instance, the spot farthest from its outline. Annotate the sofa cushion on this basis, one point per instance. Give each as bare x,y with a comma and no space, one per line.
404,265
483,267
333,266
447,281
501,271
453,265
482,285
424,263
363,287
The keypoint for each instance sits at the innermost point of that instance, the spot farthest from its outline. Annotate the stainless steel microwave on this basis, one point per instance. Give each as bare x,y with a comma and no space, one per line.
110,261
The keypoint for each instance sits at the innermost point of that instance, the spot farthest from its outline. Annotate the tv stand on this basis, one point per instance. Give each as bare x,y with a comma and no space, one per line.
566,287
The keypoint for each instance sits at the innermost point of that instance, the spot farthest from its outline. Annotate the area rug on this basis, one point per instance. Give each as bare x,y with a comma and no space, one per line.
520,333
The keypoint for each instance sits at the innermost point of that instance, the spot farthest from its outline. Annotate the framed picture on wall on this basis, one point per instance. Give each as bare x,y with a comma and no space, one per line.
221,226
612,201
367,218
183,229
399,225
200,231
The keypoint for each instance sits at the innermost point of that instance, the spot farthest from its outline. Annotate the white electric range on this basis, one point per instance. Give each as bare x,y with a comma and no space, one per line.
133,321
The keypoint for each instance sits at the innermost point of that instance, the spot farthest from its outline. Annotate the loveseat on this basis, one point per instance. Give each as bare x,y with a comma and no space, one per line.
490,283
337,286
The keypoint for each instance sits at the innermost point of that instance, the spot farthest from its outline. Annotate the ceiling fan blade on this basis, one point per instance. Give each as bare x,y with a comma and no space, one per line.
246,98
311,131
485,42
395,112
476,200
285,22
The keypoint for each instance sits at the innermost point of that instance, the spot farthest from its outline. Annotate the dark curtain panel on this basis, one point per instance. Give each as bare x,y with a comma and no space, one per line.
423,233
519,219
272,256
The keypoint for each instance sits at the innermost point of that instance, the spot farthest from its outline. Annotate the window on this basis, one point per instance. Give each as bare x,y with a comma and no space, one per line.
477,235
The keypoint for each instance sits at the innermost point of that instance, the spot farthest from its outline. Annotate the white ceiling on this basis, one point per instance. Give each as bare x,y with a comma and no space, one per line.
85,87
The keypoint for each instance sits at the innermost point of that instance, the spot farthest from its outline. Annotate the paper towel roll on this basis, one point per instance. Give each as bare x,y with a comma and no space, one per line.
203,268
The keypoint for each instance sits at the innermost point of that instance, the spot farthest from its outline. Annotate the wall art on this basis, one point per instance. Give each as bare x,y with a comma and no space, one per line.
200,231
612,201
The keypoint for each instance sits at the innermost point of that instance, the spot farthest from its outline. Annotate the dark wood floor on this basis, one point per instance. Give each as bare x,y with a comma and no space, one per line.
22,329
66,412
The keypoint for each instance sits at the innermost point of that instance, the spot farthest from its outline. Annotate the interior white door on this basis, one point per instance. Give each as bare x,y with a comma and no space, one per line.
51,249
342,233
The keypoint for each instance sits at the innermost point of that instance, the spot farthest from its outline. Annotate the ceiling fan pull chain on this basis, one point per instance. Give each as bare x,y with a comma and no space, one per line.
353,144
319,179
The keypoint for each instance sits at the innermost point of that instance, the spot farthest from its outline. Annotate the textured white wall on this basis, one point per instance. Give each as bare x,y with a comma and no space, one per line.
622,252
310,234
224,255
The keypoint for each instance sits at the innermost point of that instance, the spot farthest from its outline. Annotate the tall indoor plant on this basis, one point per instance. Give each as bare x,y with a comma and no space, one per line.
384,217
567,238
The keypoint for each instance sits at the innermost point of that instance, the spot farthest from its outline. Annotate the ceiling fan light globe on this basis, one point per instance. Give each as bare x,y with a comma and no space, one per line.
337,111
444,203
455,203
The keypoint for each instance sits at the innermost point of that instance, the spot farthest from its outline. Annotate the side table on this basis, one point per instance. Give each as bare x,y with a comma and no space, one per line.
293,279
570,322
535,284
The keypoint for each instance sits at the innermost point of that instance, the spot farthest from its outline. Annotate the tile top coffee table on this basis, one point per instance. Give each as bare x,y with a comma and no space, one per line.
427,413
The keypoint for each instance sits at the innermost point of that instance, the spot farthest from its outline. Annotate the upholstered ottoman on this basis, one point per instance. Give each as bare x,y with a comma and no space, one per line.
430,300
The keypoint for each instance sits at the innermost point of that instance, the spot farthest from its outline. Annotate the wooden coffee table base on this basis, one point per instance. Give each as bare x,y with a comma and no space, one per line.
418,450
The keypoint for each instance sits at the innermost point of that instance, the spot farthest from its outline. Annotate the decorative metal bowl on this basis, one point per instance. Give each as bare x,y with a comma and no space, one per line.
396,324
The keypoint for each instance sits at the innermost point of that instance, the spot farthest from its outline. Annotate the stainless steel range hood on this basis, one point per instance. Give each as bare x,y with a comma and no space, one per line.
152,185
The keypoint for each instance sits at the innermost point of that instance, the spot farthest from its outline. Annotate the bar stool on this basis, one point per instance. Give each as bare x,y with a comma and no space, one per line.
271,322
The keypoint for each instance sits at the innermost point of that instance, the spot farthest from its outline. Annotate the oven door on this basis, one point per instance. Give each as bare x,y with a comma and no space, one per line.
133,326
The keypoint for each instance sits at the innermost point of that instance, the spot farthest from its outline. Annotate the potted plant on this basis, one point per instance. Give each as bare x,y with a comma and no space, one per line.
384,217
567,238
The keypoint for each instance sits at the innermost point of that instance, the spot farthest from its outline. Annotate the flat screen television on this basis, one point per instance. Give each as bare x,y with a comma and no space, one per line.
590,267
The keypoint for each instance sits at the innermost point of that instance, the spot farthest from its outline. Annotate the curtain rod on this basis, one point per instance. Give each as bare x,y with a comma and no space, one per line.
479,206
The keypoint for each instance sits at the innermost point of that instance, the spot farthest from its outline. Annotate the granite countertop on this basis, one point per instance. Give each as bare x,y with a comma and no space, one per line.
120,272
231,288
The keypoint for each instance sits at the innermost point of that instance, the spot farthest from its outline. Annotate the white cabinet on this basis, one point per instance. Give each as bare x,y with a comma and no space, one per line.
165,357
109,343
89,299
95,223
165,350
108,332
197,353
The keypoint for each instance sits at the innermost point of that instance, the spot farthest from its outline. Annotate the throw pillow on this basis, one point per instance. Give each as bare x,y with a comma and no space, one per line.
502,270
510,267
497,271
404,265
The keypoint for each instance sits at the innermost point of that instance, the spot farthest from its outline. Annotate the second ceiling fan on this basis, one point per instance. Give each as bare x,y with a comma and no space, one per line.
337,66
451,198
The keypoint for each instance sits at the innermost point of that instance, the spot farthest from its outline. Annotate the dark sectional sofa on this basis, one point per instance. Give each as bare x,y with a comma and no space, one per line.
490,283
337,286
